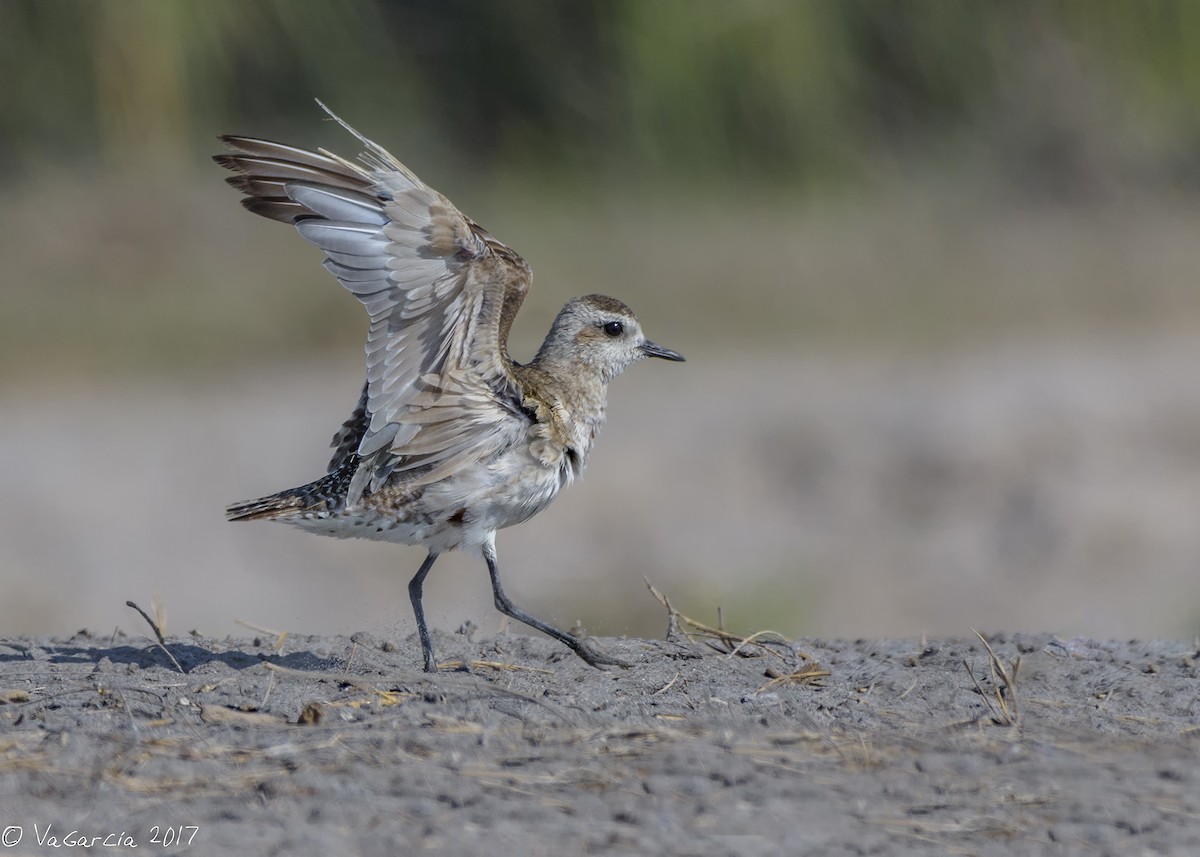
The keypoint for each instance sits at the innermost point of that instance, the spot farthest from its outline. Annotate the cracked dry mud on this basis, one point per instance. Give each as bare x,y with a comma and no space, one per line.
338,745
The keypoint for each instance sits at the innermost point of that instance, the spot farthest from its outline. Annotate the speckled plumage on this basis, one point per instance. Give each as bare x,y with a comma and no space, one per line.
451,439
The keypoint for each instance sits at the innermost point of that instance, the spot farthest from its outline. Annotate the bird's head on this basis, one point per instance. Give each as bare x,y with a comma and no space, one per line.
600,333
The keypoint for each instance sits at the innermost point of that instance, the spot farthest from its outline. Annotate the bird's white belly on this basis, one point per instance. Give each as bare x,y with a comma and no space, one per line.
458,512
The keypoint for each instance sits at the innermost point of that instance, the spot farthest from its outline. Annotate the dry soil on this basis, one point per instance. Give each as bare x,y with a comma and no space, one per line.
337,745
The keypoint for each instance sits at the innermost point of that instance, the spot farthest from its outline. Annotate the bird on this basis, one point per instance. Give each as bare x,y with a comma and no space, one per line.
451,439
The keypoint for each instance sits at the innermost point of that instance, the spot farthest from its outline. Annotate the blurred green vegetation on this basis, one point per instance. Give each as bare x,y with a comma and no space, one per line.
790,92
851,171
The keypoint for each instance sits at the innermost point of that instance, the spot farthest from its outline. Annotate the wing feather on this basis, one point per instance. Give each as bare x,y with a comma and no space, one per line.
337,203
440,292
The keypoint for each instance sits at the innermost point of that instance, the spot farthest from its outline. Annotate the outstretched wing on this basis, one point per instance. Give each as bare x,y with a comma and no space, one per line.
440,291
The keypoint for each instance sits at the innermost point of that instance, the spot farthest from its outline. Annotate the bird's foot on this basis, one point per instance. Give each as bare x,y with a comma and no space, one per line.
597,657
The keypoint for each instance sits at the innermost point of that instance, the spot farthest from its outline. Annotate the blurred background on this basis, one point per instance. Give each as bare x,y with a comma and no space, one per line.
934,267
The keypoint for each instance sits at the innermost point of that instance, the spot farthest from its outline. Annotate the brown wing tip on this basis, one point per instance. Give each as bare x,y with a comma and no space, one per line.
237,143
230,162
276,208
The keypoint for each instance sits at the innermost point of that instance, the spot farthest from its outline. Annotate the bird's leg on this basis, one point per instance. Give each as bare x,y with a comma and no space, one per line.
414,595
505,606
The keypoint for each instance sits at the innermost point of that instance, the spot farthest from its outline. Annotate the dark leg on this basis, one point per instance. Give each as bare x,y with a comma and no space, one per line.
414,595
505,606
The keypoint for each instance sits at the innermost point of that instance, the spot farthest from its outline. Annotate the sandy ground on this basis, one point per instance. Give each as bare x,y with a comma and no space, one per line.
334,745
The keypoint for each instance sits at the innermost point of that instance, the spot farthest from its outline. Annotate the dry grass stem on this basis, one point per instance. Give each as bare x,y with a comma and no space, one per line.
499,666
158,606
808,675
267,692
1005,711
725,642
162,642
280,636
214,714
666,686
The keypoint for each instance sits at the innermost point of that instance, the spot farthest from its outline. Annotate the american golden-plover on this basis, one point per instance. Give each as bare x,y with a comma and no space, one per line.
451,439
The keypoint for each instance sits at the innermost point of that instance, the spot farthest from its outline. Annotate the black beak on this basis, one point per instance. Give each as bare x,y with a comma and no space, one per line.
652,350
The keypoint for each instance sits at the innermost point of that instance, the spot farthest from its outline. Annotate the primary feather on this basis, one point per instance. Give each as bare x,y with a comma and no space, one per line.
441,294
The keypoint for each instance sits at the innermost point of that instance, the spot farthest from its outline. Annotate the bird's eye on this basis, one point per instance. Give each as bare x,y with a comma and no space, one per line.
614,328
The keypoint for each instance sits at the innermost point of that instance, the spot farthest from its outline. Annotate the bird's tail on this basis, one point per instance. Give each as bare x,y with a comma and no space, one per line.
325,495
280,505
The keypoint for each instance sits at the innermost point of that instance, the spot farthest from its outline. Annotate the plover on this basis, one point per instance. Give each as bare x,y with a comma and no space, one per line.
451,439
